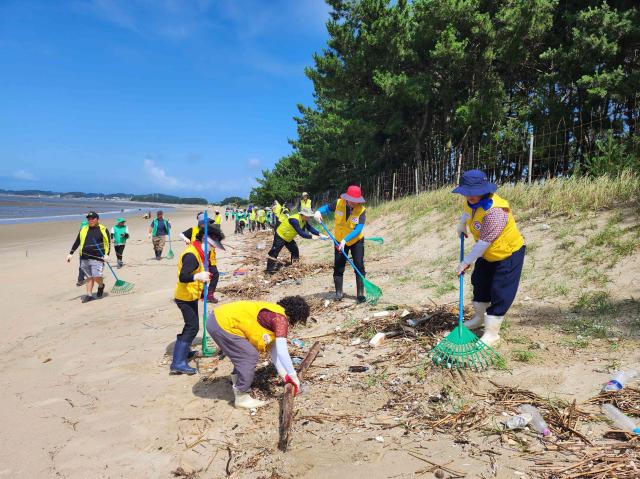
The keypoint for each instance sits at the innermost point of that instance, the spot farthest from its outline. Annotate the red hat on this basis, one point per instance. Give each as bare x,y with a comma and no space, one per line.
353,194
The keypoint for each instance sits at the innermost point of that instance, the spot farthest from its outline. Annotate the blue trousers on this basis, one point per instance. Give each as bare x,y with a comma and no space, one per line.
497,282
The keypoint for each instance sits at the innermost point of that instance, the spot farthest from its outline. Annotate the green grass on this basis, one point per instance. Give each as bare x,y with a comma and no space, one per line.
595,302
523,355
578,342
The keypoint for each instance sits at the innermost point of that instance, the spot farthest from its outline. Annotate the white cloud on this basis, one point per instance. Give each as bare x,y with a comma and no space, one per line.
253,163
160,177
23,175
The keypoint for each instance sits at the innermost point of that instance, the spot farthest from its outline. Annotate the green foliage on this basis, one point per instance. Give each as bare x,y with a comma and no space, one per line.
234,200
405,82
160,198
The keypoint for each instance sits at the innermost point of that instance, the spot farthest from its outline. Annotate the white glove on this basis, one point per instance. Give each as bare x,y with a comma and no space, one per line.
461,229
324,237
341,246
203,277
149,236
69,256
185,239
105,258
462,267
318,216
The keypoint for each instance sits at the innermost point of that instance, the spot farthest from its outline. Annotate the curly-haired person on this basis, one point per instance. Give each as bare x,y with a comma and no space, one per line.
243,329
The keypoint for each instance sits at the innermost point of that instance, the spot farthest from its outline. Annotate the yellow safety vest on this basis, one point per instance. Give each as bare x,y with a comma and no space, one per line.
262,215
288,232
218,219
252,215
240,318
189,291
105,238
277,208
305,203
212,251
509,241
343,225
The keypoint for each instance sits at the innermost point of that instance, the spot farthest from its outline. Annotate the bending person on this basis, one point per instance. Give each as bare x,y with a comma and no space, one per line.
244,329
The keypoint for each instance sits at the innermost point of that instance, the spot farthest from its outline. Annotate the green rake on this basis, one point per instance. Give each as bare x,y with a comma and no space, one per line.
121,286
208,349
170,253
461,348
375,239
372,292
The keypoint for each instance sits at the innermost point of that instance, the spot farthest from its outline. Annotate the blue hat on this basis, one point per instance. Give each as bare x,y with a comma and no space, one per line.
474,183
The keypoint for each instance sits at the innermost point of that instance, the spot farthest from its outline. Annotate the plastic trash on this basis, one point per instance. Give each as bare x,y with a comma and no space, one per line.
381,314
298,342
620,419
377,340
296,360
620,380
537,421
519,421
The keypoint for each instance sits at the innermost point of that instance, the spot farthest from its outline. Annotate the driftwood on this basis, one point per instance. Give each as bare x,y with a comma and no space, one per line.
286,409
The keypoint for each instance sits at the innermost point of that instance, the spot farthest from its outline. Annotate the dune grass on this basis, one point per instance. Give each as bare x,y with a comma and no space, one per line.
558,196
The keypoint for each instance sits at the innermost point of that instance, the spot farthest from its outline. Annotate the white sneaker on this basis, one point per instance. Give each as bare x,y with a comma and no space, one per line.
491,329
245,401
234,379
478,320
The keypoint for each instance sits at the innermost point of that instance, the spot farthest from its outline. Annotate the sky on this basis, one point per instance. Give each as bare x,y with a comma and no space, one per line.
183,97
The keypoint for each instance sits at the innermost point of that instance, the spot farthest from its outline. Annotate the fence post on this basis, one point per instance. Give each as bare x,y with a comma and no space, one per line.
459,167
530,157
393,187
417,188
378,192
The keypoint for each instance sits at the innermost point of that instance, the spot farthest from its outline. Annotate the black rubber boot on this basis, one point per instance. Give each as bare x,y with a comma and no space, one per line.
271,266
120,263
360,294
158,255
337,281
100,291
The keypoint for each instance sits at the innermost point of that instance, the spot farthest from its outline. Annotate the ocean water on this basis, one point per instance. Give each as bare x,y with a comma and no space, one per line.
28,209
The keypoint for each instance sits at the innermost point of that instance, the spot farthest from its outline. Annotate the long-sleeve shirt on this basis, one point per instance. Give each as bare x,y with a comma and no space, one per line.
301,231
274,322
189,266
492,225
90,250
359,227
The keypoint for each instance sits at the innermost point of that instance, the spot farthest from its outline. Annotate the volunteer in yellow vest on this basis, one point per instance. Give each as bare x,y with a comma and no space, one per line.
188,236
244,329
305,202
498,252
277,211
191,279
285,234
252,218
94,245
350,217
218,218
261,218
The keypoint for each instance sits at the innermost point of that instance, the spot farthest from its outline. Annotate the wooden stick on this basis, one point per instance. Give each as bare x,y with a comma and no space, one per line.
286,409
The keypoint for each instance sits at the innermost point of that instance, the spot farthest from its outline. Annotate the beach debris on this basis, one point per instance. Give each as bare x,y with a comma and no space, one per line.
377,340
358,369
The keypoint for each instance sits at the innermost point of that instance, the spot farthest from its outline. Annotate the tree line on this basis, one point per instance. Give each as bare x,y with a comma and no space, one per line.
433,83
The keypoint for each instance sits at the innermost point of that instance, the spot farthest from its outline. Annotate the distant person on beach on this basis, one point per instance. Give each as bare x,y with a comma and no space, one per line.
189,290
158,230
218,218
305,202
94,244
119,236
81,277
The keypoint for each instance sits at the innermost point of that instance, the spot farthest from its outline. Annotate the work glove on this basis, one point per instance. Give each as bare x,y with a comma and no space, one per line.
318,216
149,236
462,267
69,256
293,379
105,258
461,229
341,246
203,277
324,237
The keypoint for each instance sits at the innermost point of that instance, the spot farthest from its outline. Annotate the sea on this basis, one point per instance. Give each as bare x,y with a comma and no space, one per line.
35,209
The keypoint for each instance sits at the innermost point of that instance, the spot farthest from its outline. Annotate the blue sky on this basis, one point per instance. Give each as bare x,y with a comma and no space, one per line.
186,97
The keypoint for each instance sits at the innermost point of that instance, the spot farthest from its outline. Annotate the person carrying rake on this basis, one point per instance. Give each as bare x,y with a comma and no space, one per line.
350,217
189,289
498,253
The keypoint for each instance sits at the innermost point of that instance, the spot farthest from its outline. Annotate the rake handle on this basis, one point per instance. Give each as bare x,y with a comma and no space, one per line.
342,251
112,271
461,303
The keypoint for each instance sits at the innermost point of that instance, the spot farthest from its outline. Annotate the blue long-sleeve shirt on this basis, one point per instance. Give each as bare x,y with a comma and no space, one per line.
331,208
301,231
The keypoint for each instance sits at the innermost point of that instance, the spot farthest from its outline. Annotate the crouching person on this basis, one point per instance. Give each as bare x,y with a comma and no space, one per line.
244,329
191,279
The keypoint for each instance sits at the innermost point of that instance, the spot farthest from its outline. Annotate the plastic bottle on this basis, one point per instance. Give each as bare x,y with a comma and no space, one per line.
298,342
519,421
620,419
620,380
537,422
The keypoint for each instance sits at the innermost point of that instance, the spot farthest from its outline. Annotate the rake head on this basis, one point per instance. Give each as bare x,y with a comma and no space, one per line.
375,239
372,292
170,254
462,349
122,287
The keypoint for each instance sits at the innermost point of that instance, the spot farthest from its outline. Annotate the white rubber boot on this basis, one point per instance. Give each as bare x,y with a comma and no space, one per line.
478,320
245,401
491,329
234,379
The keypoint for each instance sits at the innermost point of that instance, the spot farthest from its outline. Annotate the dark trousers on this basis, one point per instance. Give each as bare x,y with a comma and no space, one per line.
357,255
189,310
215,277
119,250
278,244
497,282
